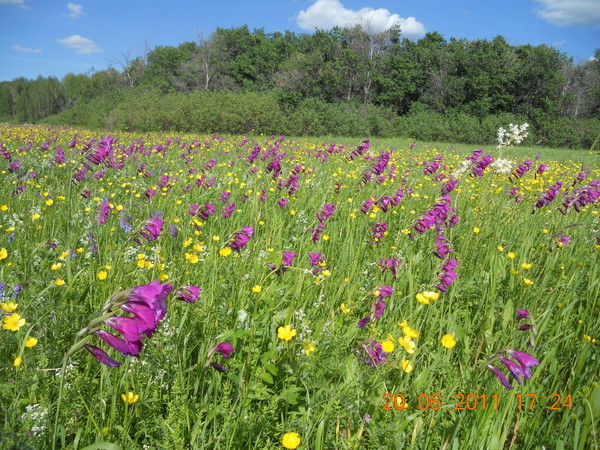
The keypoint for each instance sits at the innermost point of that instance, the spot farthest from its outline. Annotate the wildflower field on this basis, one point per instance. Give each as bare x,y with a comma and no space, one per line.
186,291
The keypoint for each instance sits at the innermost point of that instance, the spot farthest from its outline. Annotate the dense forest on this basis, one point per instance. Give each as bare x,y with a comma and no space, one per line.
339,82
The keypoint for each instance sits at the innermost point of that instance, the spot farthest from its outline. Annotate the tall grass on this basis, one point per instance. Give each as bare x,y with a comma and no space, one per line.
329,396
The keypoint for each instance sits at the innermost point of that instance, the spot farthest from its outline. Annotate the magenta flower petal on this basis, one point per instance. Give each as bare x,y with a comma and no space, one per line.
153,295
525,360
522,314
218,367
500,377
101,356
131,328
124,347
514,369
145,314
225,349
189,294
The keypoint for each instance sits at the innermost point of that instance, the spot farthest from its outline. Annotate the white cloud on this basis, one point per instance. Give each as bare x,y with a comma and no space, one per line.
80,44
25,49
570,12
326,14
20,3
76,11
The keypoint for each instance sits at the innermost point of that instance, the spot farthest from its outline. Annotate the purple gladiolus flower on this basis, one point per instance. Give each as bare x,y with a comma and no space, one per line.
315,258
447,276
525,360
153,295
206,211
522,314
123,346
449,187
514,369
379,308
362,322
189,294
500,377
385,291
131,328
241,238
101,356
546,198
228,210
525,326
372,353
392,264
564,240
282,202
326,212
218,367
151,230
225,349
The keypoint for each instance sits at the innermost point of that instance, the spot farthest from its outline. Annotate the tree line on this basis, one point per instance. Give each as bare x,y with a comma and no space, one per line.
382,78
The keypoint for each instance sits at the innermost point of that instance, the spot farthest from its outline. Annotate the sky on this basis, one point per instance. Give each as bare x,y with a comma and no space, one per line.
55,37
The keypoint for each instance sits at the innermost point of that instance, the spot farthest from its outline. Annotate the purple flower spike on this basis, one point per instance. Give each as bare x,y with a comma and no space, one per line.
522,314
189,294
500,377
101,356
525,326
525,360
225,349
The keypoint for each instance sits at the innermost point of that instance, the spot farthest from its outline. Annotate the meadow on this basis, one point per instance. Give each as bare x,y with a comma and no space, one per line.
197,291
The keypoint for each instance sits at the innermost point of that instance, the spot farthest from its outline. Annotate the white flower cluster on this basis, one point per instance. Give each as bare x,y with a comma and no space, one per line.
38,417
514,135
501,165
462,168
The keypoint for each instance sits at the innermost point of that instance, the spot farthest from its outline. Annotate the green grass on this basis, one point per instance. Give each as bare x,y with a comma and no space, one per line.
330,397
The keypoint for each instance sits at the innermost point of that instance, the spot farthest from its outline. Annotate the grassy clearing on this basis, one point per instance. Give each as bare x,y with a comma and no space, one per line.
59,265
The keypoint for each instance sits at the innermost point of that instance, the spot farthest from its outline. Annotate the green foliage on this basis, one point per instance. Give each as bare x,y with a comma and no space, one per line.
445,85
330,397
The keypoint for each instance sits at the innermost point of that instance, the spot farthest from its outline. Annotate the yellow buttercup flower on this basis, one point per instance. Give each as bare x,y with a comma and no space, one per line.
286,333
527,282
448,341
225,251
257,288
387,346
31,342
13,322
345,309
407,344
130,398
18,361
406,366
8,306
102,275
3,253
59,282
309,348
290,440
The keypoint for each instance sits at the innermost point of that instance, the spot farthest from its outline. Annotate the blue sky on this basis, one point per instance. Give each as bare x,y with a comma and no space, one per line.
54,37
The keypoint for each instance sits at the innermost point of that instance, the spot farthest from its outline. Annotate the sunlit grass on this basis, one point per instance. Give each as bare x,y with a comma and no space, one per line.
310,378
